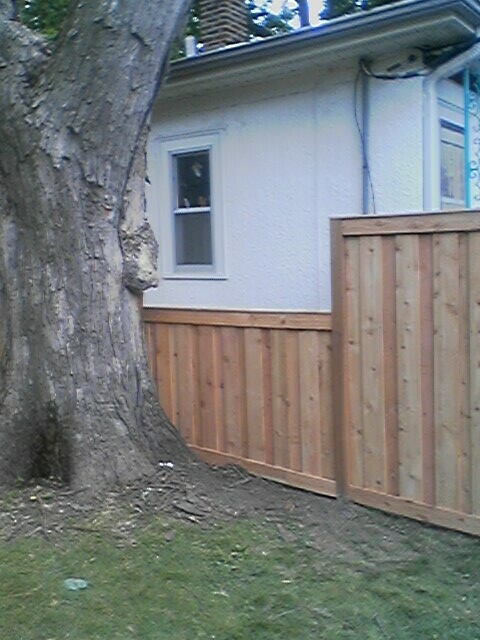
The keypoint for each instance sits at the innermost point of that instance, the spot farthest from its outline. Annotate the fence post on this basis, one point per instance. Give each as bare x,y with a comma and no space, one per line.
338,360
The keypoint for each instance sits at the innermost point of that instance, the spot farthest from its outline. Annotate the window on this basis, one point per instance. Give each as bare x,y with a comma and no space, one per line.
187,204
452,159
192,211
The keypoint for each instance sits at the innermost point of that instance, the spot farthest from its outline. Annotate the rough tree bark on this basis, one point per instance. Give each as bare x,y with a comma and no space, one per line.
76,399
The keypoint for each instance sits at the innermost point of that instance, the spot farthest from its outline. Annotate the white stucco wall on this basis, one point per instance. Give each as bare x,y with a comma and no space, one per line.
291,158
396,145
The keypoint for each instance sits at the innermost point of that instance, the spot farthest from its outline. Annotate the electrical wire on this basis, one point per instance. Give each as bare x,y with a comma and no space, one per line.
366,164
387,76
364,69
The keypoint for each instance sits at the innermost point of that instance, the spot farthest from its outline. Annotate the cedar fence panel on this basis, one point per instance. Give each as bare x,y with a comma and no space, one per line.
406,348
250,388
390,418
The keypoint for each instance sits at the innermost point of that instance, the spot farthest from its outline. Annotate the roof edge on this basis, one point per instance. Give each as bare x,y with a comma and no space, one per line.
338,29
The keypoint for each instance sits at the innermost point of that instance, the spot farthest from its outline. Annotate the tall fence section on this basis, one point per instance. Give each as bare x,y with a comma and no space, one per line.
406,315
379,401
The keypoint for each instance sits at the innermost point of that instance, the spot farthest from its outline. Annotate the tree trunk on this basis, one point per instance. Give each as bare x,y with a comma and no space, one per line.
76,398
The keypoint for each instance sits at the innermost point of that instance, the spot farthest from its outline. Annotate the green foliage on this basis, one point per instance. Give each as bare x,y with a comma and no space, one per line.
337,8
378,3
263,22
46,16
192,29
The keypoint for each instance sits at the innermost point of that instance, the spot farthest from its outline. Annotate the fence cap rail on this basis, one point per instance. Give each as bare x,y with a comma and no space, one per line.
299,320
393,224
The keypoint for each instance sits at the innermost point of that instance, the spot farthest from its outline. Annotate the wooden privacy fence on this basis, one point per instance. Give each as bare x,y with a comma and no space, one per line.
249,388
406,348
391,417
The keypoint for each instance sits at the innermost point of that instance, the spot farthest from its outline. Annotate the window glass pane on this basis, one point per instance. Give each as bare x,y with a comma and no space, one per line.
453,168
193,179
193,236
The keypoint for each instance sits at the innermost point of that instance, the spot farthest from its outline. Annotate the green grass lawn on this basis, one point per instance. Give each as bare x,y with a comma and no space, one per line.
234,581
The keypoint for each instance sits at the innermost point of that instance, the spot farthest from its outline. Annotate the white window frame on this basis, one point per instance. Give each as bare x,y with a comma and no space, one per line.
162,152
453,134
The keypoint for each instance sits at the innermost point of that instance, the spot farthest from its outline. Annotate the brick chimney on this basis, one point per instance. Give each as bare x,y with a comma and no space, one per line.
222,22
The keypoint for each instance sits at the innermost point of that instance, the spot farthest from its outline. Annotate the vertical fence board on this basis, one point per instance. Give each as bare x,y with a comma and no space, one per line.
166,369
464,445
310,408
426,369
267,390
292,401
207,376
390,365
409,387
255,394
219,389
353,363
280,432
327,457
187,417
234,394
474,314
446,368
341,416
195,399
372,363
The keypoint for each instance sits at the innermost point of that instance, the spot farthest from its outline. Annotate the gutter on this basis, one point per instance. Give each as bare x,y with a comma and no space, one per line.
431,137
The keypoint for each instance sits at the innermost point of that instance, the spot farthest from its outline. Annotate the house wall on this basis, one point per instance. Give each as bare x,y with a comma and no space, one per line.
291,158
396,145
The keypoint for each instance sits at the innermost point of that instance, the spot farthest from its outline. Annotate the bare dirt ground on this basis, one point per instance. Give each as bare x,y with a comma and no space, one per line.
205,496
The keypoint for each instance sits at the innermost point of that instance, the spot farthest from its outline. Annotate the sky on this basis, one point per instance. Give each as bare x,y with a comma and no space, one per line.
315,7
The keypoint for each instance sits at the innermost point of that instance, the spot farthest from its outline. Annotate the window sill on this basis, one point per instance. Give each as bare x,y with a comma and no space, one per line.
194,276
